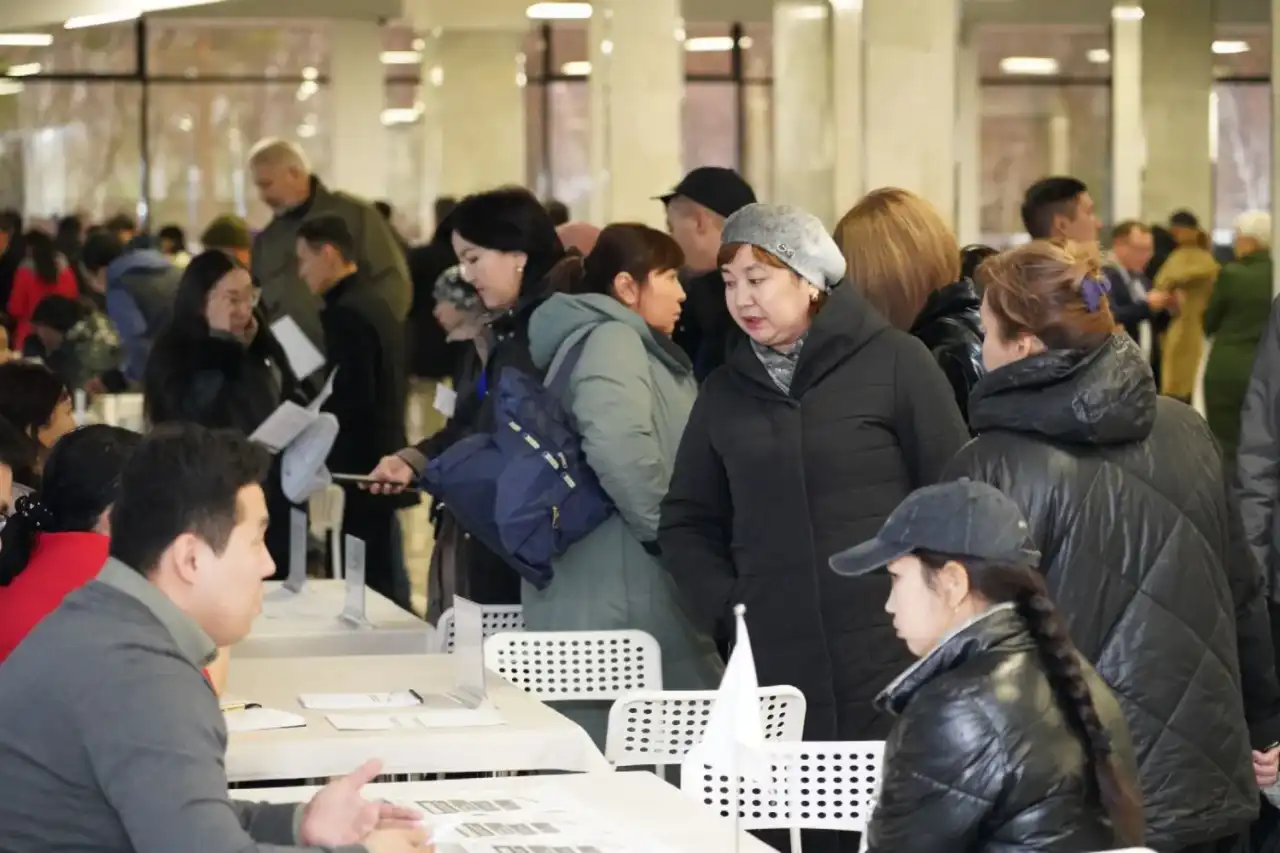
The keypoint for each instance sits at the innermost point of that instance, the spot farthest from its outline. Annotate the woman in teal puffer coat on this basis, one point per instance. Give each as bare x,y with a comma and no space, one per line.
629,396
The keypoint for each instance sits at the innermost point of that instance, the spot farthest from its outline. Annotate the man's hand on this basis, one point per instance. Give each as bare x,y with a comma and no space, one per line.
1158,300
95,386
393,474
1266,767
339,815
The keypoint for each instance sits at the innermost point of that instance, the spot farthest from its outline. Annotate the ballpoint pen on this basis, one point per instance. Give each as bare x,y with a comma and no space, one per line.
240,706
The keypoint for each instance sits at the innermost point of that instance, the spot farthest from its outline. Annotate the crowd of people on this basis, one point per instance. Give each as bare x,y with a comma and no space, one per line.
960,491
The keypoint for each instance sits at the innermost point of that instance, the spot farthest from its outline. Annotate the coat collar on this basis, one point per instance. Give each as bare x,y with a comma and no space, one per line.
844,325
192,641
996,627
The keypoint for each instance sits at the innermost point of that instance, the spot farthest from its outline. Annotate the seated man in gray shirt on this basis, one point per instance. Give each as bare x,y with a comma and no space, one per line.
111,740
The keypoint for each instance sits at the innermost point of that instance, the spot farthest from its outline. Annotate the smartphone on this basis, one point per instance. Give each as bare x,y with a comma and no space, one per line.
366,479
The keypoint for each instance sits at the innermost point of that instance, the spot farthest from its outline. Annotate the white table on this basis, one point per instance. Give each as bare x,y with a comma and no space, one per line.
640,803
307,625
532,736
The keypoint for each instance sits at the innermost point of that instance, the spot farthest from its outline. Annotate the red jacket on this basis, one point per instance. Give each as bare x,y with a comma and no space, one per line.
60,563
29,289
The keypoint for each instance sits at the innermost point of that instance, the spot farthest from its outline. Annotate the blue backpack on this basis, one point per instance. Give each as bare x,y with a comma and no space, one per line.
524,490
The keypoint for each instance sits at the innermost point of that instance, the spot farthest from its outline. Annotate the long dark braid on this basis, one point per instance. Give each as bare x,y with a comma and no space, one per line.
1062,666
1024,587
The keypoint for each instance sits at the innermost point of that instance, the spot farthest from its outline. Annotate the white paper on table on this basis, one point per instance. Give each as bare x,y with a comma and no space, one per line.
262,720
359,701
371,722
468,652
325,393
459,718
285,424
446,400
303,356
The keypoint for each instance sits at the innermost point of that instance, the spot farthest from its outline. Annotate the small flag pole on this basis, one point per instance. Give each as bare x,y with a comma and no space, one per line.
739,612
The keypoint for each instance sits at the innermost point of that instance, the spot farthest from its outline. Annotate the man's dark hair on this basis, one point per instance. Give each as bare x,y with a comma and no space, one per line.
558,211
1124,229
175,235
384,208
183,478
320,231
443,206
121,223
10,221
101,248
1046,199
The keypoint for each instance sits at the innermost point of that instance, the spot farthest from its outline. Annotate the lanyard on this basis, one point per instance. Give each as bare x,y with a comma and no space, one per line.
482,387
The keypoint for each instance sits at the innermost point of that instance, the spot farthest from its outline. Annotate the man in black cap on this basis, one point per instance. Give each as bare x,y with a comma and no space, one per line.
696,211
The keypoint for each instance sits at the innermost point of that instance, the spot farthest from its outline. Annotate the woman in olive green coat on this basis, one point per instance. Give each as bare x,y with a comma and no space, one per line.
1235,319
629,396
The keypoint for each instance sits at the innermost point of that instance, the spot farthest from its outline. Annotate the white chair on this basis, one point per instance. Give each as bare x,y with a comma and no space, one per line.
326,508
660,727
559,666
495,619
814,785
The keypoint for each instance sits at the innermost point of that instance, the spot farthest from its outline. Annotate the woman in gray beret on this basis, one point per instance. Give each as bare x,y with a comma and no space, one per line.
819,423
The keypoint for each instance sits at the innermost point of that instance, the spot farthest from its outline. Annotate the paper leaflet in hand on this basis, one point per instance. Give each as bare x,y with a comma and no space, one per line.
305,435
733,743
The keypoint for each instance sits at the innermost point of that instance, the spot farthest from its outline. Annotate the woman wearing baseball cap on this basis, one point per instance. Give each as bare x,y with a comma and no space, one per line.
823,418
1006,739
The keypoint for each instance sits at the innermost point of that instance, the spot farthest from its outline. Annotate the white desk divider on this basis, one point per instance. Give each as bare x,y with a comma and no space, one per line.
353,608
468,652
297,552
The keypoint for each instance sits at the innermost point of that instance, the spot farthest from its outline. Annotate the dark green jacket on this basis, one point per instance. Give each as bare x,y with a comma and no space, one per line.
275,259
1235,319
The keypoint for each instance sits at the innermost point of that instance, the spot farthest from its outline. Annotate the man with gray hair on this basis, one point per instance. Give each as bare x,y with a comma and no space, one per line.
282,174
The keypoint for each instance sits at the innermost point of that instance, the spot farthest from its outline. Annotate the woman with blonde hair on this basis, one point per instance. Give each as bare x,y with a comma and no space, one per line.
903,258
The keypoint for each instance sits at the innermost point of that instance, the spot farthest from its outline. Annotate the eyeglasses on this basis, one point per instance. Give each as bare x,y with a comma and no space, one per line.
241,300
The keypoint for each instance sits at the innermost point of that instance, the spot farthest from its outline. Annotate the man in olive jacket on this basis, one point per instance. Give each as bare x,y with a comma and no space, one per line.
283,177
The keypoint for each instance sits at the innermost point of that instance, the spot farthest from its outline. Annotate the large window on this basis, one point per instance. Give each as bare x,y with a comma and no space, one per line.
1047,116
726,107
1241,129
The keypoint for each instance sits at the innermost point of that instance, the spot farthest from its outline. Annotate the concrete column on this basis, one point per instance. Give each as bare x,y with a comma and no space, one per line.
1275,136
848,104
1128,147
637,90
359,163
473,101
1177,82
803,133
968,144
909,130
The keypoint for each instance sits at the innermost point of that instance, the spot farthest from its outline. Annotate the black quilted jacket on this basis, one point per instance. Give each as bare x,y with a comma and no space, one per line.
951,328
1146,559
982,759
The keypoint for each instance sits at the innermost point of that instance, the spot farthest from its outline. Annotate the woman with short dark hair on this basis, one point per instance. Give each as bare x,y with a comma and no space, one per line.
507,246
37,403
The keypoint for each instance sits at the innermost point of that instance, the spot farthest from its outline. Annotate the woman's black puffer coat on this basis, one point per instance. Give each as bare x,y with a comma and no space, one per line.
982,758
950,326
1146,560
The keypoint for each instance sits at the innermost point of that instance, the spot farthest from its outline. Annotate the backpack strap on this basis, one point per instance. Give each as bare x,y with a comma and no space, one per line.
566,359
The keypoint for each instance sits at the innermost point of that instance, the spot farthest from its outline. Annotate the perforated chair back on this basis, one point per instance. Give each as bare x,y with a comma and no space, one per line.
660,727
495,619
814,785
576,665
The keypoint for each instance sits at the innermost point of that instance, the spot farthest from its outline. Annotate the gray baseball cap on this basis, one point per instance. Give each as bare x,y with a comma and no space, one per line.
961,518
793,236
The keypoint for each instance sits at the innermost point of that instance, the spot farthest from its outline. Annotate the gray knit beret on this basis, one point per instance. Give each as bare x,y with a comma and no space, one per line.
795,237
